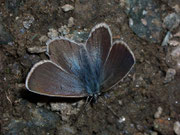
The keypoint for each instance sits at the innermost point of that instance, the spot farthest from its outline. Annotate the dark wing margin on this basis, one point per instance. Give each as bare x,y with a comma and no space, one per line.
47,78
118,65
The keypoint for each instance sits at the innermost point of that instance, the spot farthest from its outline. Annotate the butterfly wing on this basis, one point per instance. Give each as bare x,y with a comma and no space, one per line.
47,78
99,43
119,63
66,54
98,47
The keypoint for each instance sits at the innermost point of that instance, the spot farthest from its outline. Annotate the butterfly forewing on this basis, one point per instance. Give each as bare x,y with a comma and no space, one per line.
47,78
66,54
98,45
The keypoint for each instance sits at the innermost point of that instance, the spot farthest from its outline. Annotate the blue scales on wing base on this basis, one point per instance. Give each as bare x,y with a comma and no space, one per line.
88,72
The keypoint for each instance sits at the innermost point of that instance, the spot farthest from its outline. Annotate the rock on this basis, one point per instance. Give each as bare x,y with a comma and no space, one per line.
64,30
145,19
71,22
170,75
43,39
177,127
166,39
66,109
158,113
175,39
66,130
29,19
171,21
173,58
37,49
154,133
67,8
174,43
122,119
52,33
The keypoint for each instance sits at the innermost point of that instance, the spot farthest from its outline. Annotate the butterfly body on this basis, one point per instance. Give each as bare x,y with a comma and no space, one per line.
81,70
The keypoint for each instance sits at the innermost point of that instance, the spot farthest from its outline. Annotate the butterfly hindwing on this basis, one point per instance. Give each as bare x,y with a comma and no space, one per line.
119,63
47,78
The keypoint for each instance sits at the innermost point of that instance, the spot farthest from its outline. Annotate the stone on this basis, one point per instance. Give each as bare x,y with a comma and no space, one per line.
67,8
171,21
64,30
177,127
37,49
66,129
52,33
29,19
145,19
175,57
170,75
66,109
71,22
158,113
43,39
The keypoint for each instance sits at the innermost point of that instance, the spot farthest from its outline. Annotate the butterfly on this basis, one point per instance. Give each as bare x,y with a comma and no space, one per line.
77,70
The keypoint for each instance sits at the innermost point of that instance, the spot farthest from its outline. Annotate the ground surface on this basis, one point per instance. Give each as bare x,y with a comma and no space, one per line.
135,100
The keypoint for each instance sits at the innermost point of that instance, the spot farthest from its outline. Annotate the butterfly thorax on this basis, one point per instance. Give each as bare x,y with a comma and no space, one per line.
89,75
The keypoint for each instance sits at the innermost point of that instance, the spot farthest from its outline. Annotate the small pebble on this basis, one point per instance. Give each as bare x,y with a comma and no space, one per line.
67,8
67,130
177,127
170,75
43,39
122,119
172,21
40,104
56,106
65,109
28,22
174,43
52,33
154,133
71,22
64,30
131,22
158,113
37,49
166,39
120,102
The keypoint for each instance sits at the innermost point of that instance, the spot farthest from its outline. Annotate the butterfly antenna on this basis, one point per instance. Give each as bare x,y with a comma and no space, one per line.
105,104
88,101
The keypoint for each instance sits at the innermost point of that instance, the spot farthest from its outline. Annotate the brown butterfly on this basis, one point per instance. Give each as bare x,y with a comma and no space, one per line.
81,70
